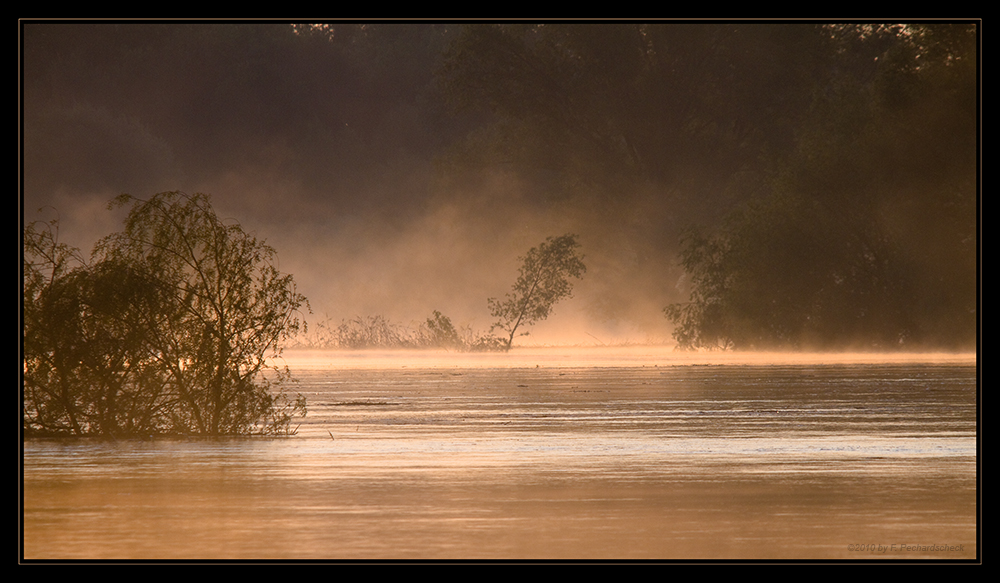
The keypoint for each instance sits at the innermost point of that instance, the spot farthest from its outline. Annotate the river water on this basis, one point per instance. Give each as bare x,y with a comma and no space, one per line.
588,454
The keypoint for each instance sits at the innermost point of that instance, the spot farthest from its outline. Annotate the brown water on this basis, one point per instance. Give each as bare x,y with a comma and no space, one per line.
545,454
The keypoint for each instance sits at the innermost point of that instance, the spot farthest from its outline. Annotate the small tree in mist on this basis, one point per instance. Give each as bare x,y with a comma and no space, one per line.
544,279
441,333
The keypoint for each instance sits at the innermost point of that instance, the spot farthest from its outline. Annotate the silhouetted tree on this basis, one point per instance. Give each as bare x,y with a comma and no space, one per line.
91,357
52,312
169,329
543,281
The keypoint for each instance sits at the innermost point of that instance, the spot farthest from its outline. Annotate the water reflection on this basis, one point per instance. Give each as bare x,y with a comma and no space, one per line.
556,461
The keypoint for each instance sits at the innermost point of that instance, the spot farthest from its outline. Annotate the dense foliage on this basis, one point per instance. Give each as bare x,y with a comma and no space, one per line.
866,238
167,330
618,109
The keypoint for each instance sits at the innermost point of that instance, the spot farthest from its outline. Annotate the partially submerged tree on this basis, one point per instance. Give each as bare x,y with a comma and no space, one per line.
543,281
51,324
169,329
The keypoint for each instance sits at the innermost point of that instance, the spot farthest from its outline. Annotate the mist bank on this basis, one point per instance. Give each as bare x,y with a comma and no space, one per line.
664,356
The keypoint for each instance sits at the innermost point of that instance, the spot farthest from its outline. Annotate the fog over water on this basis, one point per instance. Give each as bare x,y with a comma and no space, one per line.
381,243
393,178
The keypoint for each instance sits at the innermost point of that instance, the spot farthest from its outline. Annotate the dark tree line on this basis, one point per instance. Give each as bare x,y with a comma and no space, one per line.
866,235
134,107
167,329
611,107
832,168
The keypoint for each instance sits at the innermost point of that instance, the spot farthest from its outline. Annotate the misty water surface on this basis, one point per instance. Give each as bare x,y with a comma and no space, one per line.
545,454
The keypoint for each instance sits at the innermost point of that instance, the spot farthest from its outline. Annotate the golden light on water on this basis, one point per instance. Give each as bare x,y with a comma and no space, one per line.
546,453
602,356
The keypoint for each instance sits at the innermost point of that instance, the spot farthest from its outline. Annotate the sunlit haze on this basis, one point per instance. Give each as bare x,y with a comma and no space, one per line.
524,291
396,177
